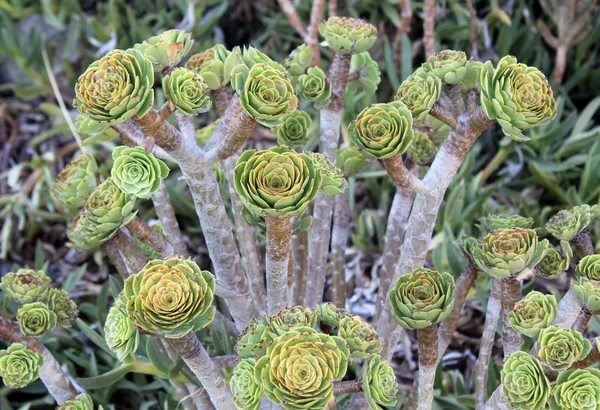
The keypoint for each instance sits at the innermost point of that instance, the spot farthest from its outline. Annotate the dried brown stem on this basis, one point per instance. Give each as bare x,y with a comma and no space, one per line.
401,176
511,294
132,255
132,136
144,233
428,352
582,320
165,135
347,386
428,27
583,243
279,240
442,114
339,239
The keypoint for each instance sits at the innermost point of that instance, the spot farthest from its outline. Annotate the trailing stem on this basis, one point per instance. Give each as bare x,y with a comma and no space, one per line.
144,233
195,356
428,352
339,240
487,342
279,241
511,294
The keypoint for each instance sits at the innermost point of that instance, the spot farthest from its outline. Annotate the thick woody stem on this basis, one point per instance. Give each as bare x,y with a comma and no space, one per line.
560,62
583,243
401,176
185,123
511,294
330,134
144,233
154,126
406,15
428,27
487,342
458,102
300,254
461,289
497,402
348,386
52,375
195,356
473,32
132,255
568,311
472,98
316,13
445,102
339,239
332,8
582,320
425,210
592,358
132,136
222,98
428,351
168,220
166,110
279,241
115,258
442,114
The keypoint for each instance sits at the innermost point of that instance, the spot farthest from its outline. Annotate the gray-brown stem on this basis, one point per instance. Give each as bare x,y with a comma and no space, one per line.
511,294
582,320
144,233
339,239
168,221
458,102
279,241
401,176
442,114
583,243
348,386
428,351
132,255
428,27
115,258
300,254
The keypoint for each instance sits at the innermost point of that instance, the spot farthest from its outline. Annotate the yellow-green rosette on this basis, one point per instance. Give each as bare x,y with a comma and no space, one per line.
214,65
448,65
59,302
422,150
360,336
75,183
556,261
314,88
589,267
137,171
491,223
561,348
524,384
334,182
346,35
253,341
247,391
19,366
289,318
167,49
83,401
25,285
567,224
294,131
577,390
379,383
186,91
171,297
533,313
36,319
121,333
419,92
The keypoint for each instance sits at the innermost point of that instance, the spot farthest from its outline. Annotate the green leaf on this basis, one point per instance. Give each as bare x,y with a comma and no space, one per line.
106,379
73,278
94,337
586,116
116,285
156,356
390,65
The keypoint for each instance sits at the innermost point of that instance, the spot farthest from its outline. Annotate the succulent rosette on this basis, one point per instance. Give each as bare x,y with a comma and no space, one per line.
247,391
587,293
170,297
329,317
294,131
504,221
137,171
379,383
568,223
507,253
560,348
253,341
251,56
334,182
36,319
360,336
299,368
25,285
83,233
589,267
577,390
524,384
214,65
83,401
289,318
518,97
383,130
19,366
466,245
419,92
298,61
448,65
346,35
59,302
314,88
166,49
75,183
351,161
266,93
120,332
277,182
186,91
422,298
556,261
115,88
533,313
422,150
368,73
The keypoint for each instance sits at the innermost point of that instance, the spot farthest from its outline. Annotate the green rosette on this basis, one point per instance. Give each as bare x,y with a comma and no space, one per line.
360,336
75,183
589,267
334,182
83,401
419,92
448,65
534,313
214,65
61,304
346,35
121,333
19,366
577,390
379,384
247,391
137,172
367,71
561,348
351,161
504,221
36,319
167,49
524,384
186,91
290,318
314,88
25,285
294,131
329,317
587,293
253,341
569,223
298,61
556,261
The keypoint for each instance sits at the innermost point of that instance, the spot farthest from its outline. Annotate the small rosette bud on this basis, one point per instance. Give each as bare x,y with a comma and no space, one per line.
137,172
167,49
36,319
314,88
120,332
569,223
448,65
346,35
360,336
524,385
246,389
294,130
25,285
186,91
419,92
368,73
334,182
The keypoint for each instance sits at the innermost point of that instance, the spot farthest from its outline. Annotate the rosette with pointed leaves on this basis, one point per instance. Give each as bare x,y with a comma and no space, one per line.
448,65
587,293
137,171
556,261
334,182
351,161
25,285
504,221
166,49
19,366
383,130
115,88
314,88
518,97
507,253
329,316
367,70
36,319
294,131
577,390
121,333
289,318
253,341
75,183
83,233
569,223
524,384
265,93
299,368
214,65
466,245
170,297
560,348
589,267
61,304
251,56
422,298
379,383
533,313
299,60
419,92
360,336
277,182
204,134
186,91
346,35
422,150
247,390
83,401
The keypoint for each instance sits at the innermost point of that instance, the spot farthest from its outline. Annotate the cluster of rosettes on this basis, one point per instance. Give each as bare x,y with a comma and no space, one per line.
586,287
295,356
567,224
41,308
